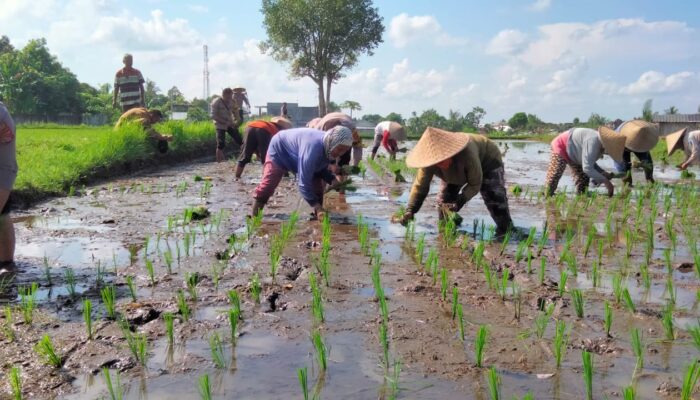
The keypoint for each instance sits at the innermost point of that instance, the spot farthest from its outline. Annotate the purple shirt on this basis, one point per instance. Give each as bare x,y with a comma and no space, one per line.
301,151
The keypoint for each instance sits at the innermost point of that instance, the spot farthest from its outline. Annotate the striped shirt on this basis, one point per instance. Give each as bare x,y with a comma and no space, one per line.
128,82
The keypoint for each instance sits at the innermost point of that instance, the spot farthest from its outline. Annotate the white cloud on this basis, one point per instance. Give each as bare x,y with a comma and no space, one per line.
507,42
566,79
540,5
403,82
405,29
654,82
198,8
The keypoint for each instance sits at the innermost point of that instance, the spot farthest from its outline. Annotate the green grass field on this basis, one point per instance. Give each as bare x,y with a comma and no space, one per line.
54,159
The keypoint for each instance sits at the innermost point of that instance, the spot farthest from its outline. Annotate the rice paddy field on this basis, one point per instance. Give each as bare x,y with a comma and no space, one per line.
157,286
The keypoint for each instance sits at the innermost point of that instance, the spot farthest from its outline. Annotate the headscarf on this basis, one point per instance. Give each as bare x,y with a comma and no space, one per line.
335,137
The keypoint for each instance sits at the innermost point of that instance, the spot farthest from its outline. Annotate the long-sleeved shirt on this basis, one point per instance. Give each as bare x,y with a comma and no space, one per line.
691,147
301,151
224,113
480,156
584,148
382,136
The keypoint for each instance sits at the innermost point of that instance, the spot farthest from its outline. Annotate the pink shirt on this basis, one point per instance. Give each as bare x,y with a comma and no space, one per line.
559,145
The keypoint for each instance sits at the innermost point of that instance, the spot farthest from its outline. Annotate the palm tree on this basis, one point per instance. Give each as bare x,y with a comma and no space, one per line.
352,106
671,110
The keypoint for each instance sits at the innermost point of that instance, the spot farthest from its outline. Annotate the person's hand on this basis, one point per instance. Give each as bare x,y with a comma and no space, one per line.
610,187
219,155
683,167
403,220
319,212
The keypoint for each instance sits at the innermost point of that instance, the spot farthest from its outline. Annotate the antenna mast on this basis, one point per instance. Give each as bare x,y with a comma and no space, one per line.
205,77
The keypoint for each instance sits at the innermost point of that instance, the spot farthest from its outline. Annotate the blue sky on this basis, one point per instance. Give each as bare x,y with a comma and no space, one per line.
554,58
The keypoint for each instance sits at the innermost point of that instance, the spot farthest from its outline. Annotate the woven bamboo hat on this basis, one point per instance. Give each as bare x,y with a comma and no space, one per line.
641,135
238,89
282,122
435,146
397,132
674,141
613,143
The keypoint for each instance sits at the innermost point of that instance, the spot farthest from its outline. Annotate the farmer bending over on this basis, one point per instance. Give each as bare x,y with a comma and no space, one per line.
641,137
580,149
339,119
308,153
147,118
224,112
689,142
257,139
467,164
388,134
8,173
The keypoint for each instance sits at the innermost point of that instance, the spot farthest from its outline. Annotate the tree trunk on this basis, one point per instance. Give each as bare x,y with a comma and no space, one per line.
329,82
321,99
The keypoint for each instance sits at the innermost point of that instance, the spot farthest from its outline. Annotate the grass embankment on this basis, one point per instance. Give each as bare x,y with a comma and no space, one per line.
54,159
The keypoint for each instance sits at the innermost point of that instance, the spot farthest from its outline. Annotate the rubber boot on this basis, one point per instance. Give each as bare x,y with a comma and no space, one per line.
239,171
503,223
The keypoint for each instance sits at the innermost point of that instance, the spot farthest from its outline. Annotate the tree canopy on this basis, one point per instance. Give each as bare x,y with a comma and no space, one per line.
320,39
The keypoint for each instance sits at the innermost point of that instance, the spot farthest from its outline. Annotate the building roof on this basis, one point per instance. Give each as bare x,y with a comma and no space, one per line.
677,118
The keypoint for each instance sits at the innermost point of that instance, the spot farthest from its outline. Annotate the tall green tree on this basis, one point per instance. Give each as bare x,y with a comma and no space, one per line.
320,39
647,113
373,118
474,117
352,106
671,110
518,120
392,116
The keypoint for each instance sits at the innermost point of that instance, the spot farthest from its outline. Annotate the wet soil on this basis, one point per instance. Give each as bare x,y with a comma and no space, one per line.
110,231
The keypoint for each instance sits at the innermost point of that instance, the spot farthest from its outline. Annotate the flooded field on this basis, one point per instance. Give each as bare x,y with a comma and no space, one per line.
616,279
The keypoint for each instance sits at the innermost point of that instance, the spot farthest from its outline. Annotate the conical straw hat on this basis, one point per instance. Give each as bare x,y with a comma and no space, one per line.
613,143
674,141
641,135
282,122
435,146
397,132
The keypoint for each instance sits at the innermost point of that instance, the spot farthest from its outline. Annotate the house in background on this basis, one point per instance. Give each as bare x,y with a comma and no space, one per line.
299,115
670,123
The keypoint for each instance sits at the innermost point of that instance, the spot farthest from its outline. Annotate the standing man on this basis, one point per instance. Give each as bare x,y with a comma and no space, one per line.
284,112
128,85
240,96
8,173
225,114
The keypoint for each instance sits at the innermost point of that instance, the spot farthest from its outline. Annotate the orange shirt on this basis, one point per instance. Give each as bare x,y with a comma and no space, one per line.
268,126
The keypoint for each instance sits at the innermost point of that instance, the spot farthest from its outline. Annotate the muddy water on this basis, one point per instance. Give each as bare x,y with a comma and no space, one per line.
109,224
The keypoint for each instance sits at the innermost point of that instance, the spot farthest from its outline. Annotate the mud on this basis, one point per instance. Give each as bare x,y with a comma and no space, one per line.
107,227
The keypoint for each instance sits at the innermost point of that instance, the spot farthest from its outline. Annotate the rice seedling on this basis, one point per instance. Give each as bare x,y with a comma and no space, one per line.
506,239
150,271
636,341
16,383
494,382
503,286
460,320
420,246
543,241
561,340
577,299
168,318
568,241
449,231
233,318
132,287
571,263
255,288
690,379
303,382
628,393
109,300
644,274
316,300
479,344
168,258
138,345
478,253
235,299
394,380
667,261
87,317
455,301
410,233
276,247
47,271
607,318
563,277
667,322
182,306
321,349
627,299
45,349
671,290
629,241
364,238
617,287
115,390
28,302
204,387
443,283
191,281
99,274
186,243
543,266
587,359
542,320
7,325
384,340
488,275
694,333
216,347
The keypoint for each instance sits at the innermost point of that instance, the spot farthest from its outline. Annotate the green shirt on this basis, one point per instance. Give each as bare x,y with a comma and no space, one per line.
480,156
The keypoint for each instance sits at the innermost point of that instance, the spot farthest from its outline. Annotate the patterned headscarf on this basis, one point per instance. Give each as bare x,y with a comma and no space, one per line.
335,137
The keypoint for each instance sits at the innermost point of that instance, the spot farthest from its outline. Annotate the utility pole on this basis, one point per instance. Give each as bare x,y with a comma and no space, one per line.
205,76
